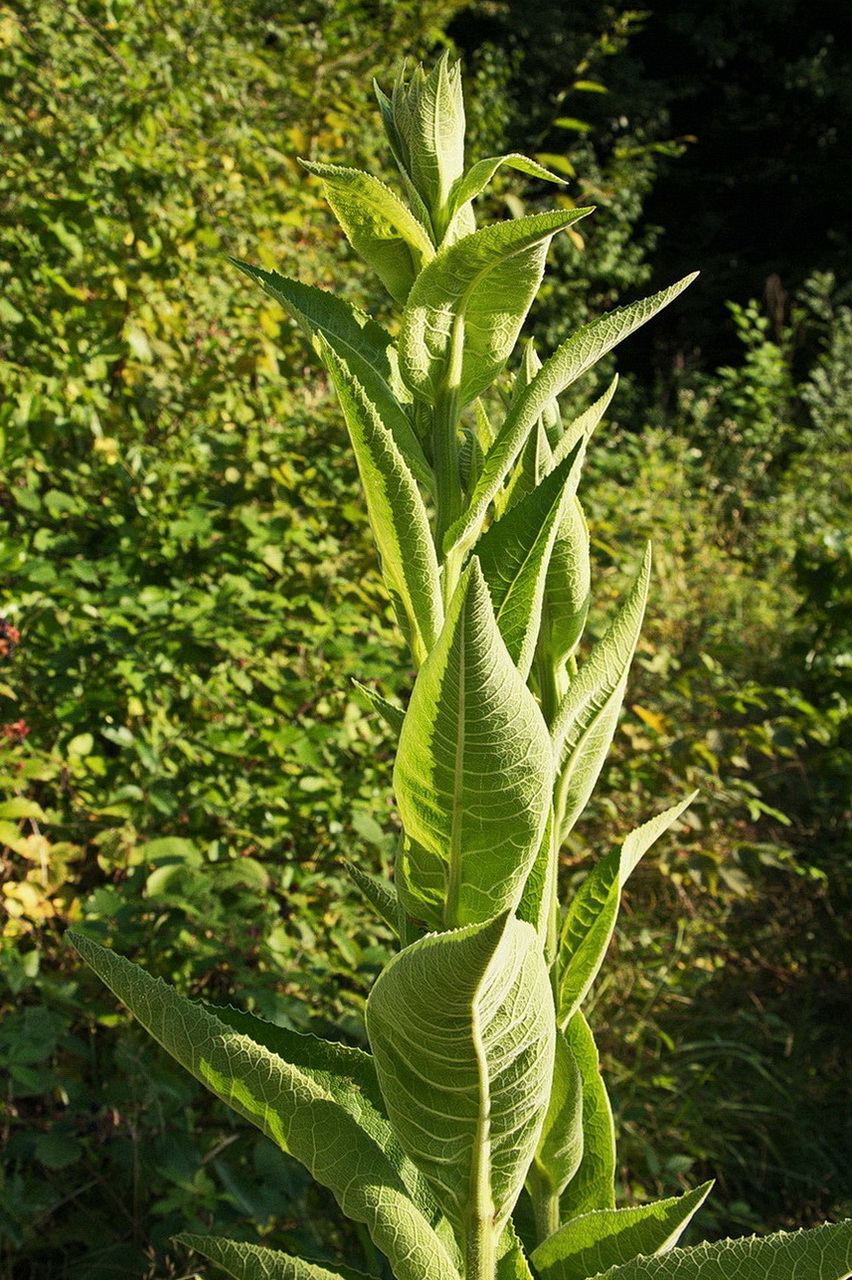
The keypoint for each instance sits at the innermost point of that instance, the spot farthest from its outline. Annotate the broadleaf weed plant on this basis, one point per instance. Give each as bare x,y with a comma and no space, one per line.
483,1080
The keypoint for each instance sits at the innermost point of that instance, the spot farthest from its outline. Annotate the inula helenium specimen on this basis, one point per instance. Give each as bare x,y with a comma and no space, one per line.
483,1082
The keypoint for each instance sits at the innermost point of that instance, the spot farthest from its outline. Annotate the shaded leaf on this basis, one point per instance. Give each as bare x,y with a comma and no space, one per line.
591,916
397,513
514,553
588,714
593,1185
560,1148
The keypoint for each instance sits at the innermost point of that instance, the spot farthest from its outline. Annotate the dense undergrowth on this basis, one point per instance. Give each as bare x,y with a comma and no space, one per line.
186,570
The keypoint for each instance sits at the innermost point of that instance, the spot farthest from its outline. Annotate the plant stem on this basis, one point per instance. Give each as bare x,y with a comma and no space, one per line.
546,1209
480,1250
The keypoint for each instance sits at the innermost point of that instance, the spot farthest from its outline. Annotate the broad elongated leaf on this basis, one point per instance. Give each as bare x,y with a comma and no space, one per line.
592,1243
567,588
572,359
379,226
461,1026
354,336
588,714
397,513
480,174
317,1114
591,917
254,1262
514,553
474,771
822,1253
363,346
421,882
560,1148
538,899
482,286
593,1185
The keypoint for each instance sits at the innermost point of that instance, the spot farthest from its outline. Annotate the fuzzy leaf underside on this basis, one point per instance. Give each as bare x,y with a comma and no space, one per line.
514,553
588,714
567,363
822,1253
461,1026
592,913
486,282
605,1238
398,516
254,1262
593,1185
378,225
359,1158
474,770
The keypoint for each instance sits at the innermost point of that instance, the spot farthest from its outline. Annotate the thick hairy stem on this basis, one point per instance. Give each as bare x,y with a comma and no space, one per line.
546,1210
480,1250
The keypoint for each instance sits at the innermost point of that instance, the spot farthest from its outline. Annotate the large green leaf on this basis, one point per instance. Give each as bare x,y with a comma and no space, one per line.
822,1253
588,714
310,1109
560,1148
590,1244
474,770
397,512
591,916
572,359
593,1185
481,287
514,553
462,1028
380,227
254,1262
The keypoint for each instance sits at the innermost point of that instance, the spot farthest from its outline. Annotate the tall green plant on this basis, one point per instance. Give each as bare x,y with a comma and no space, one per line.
483,1079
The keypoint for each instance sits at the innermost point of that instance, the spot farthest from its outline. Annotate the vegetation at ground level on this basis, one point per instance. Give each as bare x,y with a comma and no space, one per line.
185,578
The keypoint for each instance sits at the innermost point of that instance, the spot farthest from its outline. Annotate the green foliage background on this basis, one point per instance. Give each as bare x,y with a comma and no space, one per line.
185,760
